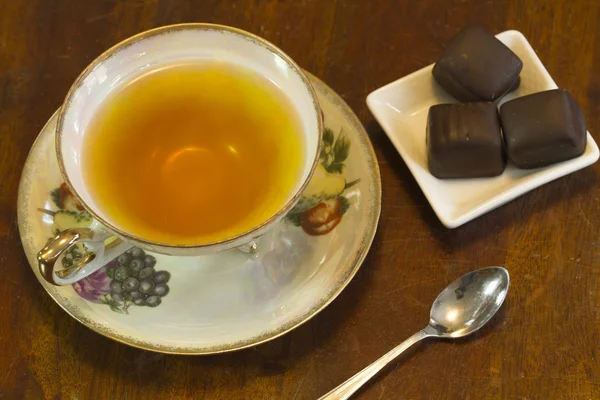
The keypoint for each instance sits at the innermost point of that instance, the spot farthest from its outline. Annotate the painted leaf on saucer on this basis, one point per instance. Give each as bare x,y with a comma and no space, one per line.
323,204
130,279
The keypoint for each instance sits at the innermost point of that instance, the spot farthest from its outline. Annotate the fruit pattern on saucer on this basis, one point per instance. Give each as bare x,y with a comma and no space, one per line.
323,204
132,279
128,280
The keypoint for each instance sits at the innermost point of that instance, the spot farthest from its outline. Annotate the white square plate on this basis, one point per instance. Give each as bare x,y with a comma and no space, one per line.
401,109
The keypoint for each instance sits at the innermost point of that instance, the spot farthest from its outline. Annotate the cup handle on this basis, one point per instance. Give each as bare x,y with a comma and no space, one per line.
97,254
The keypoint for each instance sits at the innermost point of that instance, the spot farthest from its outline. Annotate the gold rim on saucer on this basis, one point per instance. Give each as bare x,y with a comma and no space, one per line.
369,206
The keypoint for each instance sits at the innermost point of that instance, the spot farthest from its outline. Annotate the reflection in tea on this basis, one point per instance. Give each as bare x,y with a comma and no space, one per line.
193,153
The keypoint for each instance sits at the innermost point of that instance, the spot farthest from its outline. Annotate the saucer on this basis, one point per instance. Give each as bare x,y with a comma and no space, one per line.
401,109
230,300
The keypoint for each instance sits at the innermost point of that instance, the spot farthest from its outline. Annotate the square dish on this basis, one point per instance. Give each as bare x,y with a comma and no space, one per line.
401,109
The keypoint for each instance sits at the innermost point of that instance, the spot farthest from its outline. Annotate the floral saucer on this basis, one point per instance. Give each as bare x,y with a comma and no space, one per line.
230,300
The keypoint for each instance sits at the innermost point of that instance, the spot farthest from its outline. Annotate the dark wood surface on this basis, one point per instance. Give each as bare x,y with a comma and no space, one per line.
545,343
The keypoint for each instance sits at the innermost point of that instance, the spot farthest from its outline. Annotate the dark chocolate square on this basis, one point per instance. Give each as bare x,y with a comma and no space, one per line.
543,128
477,67
464,141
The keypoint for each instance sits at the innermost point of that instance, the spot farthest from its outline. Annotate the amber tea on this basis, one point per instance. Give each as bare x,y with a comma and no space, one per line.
193,153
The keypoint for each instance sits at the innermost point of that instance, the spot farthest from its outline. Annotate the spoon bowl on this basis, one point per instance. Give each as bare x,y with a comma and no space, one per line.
469,302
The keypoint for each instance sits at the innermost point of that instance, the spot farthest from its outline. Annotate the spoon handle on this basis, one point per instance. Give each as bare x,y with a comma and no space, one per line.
346,389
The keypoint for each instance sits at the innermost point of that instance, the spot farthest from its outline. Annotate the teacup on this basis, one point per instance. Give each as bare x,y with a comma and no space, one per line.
104,239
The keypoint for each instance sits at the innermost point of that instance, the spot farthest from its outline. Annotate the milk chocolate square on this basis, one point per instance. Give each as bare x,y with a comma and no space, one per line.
464,141
543,128
477,67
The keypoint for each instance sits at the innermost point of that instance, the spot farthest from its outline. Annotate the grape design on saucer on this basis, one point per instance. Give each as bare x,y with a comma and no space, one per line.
130,279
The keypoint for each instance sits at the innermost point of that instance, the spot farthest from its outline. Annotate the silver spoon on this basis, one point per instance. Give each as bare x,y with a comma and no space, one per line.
461,309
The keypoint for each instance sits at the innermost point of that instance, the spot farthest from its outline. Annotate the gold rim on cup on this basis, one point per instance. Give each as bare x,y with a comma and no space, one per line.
190,26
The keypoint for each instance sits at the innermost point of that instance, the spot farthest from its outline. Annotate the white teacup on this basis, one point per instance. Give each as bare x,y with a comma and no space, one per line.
105,240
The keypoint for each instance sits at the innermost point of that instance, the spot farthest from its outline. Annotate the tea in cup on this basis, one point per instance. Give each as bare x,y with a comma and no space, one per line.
183,140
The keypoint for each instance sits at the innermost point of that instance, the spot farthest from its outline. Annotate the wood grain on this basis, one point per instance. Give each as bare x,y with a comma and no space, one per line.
545,344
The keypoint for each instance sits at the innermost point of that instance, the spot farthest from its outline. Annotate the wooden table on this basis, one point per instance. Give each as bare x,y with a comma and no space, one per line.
545,343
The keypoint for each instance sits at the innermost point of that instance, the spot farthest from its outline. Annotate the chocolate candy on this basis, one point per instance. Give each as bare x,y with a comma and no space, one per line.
477,67
464,141
543,128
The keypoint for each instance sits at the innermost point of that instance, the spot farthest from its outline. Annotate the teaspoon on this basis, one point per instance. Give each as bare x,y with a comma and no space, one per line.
459,310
